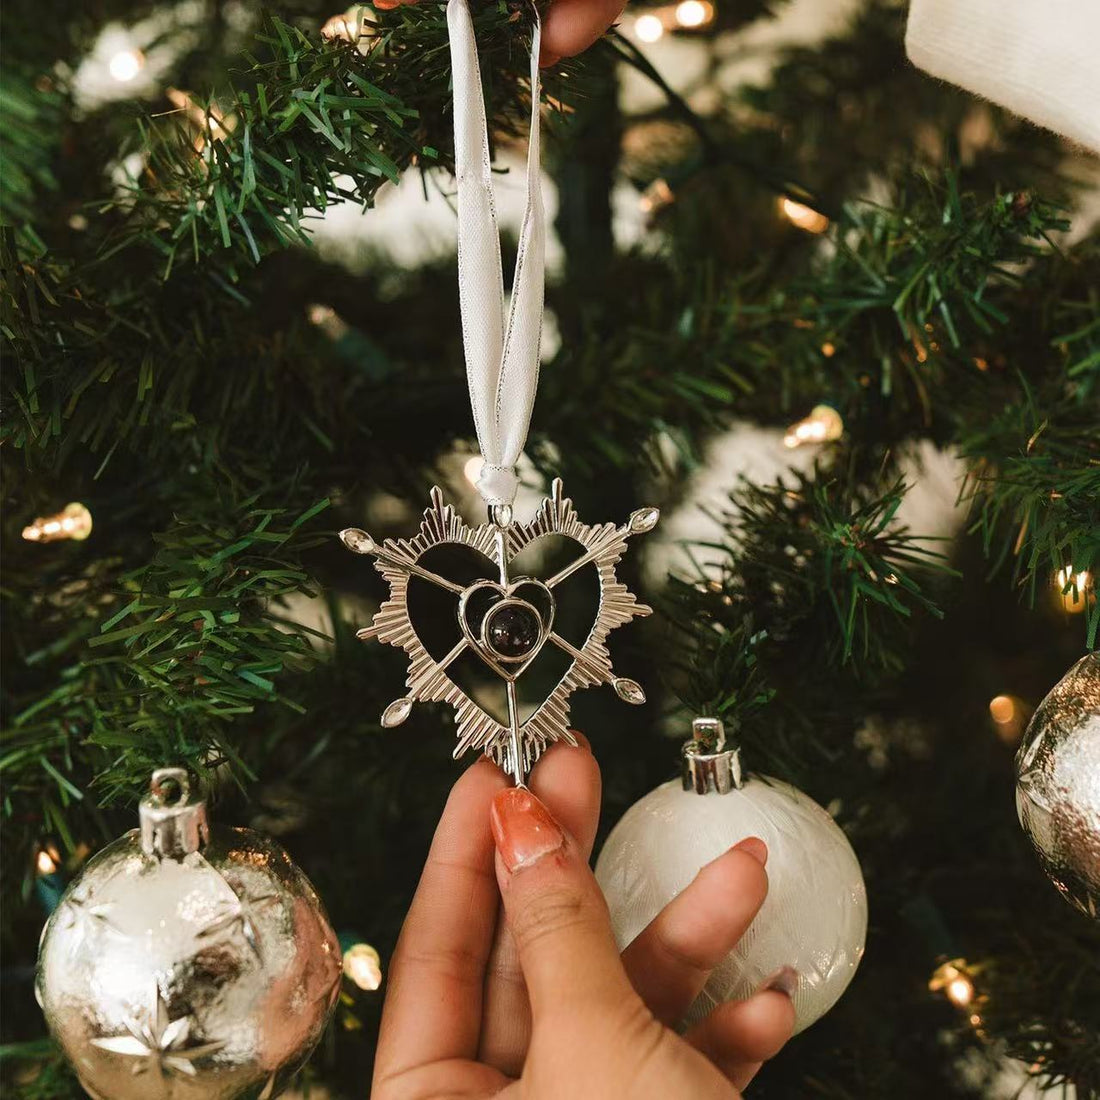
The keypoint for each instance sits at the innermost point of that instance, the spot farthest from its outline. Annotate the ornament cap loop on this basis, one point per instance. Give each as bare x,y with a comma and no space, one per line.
171,824
707,765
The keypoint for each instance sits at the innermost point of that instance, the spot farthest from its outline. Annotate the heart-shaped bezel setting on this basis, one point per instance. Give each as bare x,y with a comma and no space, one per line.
514,626
512,630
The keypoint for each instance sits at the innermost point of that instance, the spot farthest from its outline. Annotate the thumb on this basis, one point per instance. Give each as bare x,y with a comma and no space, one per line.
555,910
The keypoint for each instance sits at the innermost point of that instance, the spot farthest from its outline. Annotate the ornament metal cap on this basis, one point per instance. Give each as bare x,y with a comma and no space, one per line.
707,765
171,824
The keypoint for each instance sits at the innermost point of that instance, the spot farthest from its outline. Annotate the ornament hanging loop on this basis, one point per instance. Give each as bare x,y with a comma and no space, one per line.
500,343
171,824
706,763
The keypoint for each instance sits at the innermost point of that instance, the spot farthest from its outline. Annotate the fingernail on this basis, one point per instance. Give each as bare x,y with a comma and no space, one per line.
784,980
523,829
755,847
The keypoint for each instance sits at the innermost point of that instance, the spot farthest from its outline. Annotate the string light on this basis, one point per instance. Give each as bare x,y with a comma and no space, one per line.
349,26
802,216
1074,588
47,859
821,426
344,26
74,521
649,28
201,118
327,320
656,197
694,13
1009,715
126,64
953,980
363,966
472,468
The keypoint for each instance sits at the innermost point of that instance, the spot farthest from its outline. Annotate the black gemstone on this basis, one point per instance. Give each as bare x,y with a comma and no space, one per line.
513,630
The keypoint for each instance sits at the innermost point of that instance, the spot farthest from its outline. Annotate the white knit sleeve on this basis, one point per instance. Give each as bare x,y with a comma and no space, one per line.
1039,58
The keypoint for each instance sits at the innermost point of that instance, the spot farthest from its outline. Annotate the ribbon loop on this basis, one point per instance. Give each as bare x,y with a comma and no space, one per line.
502,359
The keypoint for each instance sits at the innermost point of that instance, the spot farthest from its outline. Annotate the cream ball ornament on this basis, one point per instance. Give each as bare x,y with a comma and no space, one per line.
814,919
187,963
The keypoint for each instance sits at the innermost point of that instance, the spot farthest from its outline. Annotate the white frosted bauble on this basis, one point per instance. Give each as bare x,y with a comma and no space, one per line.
814,918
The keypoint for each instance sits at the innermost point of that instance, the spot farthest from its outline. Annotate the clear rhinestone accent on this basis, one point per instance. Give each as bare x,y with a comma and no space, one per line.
630,691
644,519
396,713
359,541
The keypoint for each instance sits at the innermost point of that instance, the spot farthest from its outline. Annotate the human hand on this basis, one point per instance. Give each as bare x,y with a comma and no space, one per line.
540,1005
569,27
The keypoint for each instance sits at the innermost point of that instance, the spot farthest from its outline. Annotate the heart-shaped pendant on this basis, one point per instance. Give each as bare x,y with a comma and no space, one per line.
508,631
506,623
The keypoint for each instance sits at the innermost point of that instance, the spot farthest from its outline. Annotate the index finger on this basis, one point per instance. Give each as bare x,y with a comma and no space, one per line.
433,1004
556,913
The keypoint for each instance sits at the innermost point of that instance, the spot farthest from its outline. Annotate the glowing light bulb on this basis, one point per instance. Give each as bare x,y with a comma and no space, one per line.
1002,708
74,521
472,468
347,26
954,982
1074,587
648,28
694,13
363,966
822,426
960,991
656,197
802,216
126,64
47,860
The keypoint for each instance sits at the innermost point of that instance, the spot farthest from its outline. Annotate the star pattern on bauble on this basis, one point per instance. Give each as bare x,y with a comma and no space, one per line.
158,1044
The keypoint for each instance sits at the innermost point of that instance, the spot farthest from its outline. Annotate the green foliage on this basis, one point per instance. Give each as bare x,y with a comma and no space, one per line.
165,657
315,123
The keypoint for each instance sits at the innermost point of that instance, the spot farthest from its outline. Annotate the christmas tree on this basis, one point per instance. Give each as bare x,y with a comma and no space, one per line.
838,320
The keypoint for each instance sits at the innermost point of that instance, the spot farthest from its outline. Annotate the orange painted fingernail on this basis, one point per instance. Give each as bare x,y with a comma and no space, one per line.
523,829
755,847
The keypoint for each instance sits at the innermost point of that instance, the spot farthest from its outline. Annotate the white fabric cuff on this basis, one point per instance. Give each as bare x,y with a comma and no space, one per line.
1039,58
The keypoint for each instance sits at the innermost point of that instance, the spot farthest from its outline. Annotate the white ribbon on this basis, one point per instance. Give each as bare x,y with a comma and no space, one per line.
502,360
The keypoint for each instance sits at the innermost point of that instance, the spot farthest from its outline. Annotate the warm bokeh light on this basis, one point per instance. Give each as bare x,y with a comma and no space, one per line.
821,426
656,197
694,13
802,216
363,966
350,26
1002,708
648,28
960,991
954,982
47,860
74,521
471,470
1074,587
126,64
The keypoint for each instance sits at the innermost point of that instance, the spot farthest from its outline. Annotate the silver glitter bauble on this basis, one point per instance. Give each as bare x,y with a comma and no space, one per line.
186,963
1058,784
814,918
